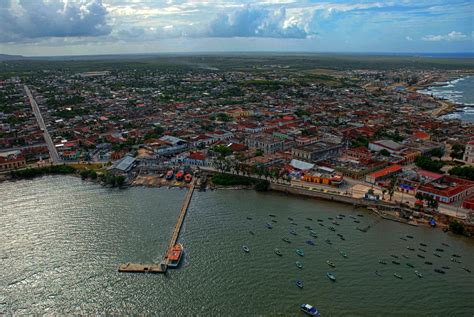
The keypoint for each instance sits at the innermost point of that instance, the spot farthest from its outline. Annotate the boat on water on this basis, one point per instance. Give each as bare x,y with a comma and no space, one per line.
445,267
310,219
440,250
274,221
332,228
330,218
188,178
396,262
180,176
357,221
406,257
402,238
175,255
344,255
466,269
294,223
299,283
423,244
456,256
428,263
269,225
377,273
246,249
251,232
411,237
249,218
300,252
445,244
310,242
286,240
272,215
320,220
309,310
313,234
439,271
436,254
455,260
278,252
394,256
339,217
397,276
418,274
382,262
422,250
169,175
328,241
299,264
321,224
293,232
289,218
331,276
411,249
308,227
360,215
410,265
420,256
331,264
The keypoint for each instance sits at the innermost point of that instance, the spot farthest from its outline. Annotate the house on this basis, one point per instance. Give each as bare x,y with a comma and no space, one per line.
267,144
123,166
385,173
11,163
468,156
318,151
447,189
388,145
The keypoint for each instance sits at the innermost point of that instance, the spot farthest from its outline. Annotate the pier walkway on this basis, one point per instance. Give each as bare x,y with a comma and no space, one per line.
163,265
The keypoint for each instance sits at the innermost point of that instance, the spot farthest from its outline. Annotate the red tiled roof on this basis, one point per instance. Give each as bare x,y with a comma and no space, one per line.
385,171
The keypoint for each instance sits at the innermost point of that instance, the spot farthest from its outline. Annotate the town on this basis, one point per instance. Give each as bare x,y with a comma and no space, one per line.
363,133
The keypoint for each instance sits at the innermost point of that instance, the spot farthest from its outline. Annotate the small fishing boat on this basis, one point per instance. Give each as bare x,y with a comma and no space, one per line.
328,241
293,232
455,260
289,218
299,264
422,250
445,267
331,264
394,256
299,284
335,222
246,248
339,217
286,240
331,276
294,223
249,218
342,238
310,219
397,276
313,234
308,227
320,220
406,257
410,237
274,221
456,256
321,224
352,217
309,310
439,271
436,254
310,242
396,262
410,265
278,252
382,262
420,256
423,244
428,263
410,248
402,238
356,221
251,232
272,215
269,226
440,250
332,228
360,215
377,273
344,255
418,274
466,269
300,252
445,244
330,218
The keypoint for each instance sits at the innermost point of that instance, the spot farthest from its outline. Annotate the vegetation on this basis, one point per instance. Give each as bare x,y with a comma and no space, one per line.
456,227
40,171
222,150
231,180
385,152
428,164
457,151
437,152
262,185
463,171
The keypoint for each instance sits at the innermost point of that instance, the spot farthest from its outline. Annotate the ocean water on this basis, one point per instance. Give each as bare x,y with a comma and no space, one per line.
63,239
460,91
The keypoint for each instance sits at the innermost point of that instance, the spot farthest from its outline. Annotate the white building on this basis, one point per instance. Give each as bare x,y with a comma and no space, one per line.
469,153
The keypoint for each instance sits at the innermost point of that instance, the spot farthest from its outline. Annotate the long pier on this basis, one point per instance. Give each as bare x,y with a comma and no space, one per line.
163,265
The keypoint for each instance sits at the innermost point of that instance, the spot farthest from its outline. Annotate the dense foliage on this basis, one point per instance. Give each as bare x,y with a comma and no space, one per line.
463,171
39,171
428,164
229,180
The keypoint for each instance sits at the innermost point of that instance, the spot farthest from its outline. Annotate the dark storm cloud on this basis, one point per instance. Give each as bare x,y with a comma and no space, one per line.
32,19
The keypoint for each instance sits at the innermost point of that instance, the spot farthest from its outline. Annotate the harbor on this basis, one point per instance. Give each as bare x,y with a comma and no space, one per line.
163,265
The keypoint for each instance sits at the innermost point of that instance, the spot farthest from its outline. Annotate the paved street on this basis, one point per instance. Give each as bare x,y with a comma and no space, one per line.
53,153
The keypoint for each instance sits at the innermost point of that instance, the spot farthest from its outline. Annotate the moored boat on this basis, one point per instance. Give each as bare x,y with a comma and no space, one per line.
397,276
310,242
310,219
382,262
300,252
439,271
299,264
293,232
188,178
246,248
428,263
278,252
331,264
466,269
410,248
328,241
286,240
344,255
418,274
331,276
420,256
175,255
269,226
410,265
436,254
309,310
299,283
396,262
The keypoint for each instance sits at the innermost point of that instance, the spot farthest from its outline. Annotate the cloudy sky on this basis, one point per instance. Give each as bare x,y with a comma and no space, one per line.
77,27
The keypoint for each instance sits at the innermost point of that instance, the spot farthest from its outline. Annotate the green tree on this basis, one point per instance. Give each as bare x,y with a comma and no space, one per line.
438,152
457,151
385,152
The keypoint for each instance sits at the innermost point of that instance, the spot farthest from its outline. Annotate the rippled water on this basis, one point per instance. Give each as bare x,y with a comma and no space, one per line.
62,240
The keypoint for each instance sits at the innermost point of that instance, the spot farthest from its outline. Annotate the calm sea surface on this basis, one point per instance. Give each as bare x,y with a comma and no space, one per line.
62,240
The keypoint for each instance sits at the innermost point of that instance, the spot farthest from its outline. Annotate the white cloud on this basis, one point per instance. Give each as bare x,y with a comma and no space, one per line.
452,36
409,38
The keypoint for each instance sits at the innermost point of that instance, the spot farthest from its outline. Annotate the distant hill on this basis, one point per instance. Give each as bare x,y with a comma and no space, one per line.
5,57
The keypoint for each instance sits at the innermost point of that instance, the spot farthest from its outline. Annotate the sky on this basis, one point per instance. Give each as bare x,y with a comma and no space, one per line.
89,27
